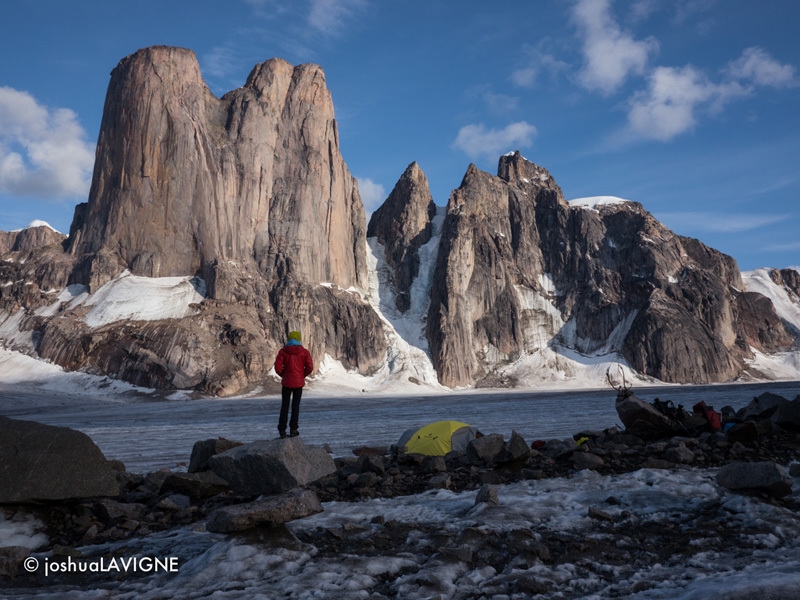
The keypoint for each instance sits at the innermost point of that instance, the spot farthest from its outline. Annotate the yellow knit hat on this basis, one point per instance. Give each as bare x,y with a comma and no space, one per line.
295,335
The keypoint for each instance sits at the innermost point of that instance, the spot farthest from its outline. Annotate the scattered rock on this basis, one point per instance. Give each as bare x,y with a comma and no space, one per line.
174,502
205,449
767,476
11,558
680,454
270,511
487,495
516,448
599,514
744,433
195,485
111,511
642,419
372,463
485,448
587,460
658,463
439,482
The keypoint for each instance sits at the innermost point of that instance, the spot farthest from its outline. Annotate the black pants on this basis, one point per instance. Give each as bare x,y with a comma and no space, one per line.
287,394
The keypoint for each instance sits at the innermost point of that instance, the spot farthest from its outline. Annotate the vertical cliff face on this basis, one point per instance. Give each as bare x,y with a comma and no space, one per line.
183,179
247,201
402,225
519,269
249,192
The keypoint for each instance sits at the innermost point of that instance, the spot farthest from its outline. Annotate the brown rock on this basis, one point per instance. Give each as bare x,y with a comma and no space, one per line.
266,512
402,224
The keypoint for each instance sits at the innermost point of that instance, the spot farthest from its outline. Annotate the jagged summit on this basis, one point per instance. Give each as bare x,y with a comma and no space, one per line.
239,218
402,225
248,192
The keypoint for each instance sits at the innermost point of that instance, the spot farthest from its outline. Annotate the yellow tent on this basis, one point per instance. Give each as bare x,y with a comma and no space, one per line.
439,438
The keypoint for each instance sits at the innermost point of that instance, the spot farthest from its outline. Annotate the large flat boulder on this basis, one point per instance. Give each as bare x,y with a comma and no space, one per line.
264,512
41,462
767,477
643,419
271,466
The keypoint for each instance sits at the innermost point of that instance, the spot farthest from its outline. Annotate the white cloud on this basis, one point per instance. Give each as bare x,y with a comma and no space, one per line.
477,140
540,62
220,61
668,107
43,153
758,66
670,104
372,194
718,222
783,248
642,9
500,103
330,16
610,54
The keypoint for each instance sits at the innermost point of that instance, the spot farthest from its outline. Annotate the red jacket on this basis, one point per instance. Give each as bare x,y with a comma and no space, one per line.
293,363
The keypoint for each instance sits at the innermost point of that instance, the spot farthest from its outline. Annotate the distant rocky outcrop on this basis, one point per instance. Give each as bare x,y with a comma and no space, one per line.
248,199
402,225
519,268
248,192
37,235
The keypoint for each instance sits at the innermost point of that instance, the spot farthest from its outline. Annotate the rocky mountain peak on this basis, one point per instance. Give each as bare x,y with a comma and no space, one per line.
248,192
402,224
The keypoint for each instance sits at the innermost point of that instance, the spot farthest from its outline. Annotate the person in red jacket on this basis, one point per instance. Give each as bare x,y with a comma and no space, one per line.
293,364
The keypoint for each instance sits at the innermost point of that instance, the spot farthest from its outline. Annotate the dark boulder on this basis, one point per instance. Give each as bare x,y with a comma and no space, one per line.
205,449
41,462
642,419
767,477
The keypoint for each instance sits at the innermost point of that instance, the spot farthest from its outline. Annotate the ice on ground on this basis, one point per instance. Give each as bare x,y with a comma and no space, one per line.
782,366
21,530
18,369
408,364
552,368
238,567
592,202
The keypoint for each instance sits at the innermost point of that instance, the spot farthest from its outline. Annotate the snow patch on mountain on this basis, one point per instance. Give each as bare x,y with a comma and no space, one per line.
36,223
408,364
592,202
144,299
786,303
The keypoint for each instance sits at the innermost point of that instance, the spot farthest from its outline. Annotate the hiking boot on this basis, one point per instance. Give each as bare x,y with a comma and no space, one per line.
282,433
293,433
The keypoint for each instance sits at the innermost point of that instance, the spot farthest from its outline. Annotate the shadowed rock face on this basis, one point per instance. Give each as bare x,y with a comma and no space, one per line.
402,225
518,269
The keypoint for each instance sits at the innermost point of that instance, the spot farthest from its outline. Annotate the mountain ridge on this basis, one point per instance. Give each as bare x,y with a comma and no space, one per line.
247,199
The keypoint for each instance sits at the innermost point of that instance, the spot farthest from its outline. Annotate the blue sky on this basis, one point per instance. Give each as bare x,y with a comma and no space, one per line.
687,106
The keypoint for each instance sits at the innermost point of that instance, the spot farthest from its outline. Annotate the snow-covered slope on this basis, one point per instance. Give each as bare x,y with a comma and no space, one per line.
782,365
786,302
594,201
